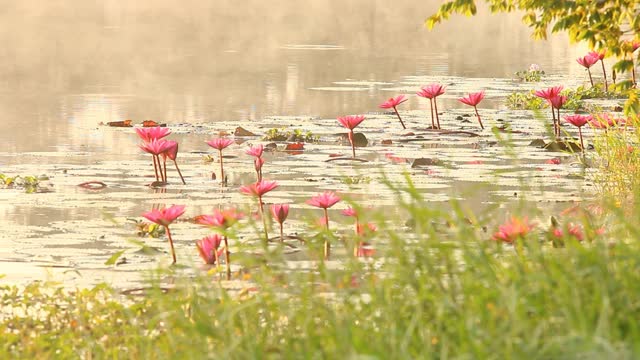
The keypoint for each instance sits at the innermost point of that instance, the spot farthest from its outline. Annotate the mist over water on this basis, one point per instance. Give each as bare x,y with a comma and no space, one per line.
67,66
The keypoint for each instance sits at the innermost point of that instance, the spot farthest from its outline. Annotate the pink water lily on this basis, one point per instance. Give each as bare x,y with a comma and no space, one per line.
209,249
550,94
350,212
351,122
220,144
557,103
257,151
172,154
474,99
164,217
587,62
512,230
257,165
353,213
393,103
362,247
603,121
629,47
280,213
324,201
557,234
222,219
147,134
258,190
366,229
579,121
599,55
156,147
431,92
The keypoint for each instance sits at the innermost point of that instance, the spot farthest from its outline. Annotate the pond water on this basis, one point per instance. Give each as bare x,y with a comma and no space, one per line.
203,68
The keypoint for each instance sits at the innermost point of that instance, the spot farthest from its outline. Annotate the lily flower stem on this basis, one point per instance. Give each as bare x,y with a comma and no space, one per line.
173,251
558,124
155,167
264,222
435,107
590,78
355,246
433,122
281,233
553,115
221,170
581,141
478,115
160,172
215,255
164,172
179,172
604,72
226,257
633,73
327,245
399,118
353,146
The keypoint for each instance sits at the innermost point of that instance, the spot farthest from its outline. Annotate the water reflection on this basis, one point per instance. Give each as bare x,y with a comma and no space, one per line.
71,67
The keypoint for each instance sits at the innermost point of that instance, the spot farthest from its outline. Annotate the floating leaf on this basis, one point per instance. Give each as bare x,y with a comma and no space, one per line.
295,146
124,123
93,185
151,123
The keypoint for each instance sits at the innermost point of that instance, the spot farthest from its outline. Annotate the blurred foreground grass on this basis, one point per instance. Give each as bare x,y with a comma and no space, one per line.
432,292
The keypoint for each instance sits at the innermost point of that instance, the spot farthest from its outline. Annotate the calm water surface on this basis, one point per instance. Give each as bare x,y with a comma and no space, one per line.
67,66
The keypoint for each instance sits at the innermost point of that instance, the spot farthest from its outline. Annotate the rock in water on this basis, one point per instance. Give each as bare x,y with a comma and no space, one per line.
359,140
537,143
563,146
424,162
243,132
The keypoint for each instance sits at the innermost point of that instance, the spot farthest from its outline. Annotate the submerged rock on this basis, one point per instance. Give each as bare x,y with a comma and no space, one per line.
537,143
240,131
359,140
563,146
424,162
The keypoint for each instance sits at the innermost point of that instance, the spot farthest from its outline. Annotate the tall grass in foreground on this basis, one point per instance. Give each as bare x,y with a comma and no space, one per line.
618,150
440,292
439,288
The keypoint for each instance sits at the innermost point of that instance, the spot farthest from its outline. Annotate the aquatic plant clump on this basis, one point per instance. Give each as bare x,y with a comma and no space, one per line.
533,74
29,183
294,135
